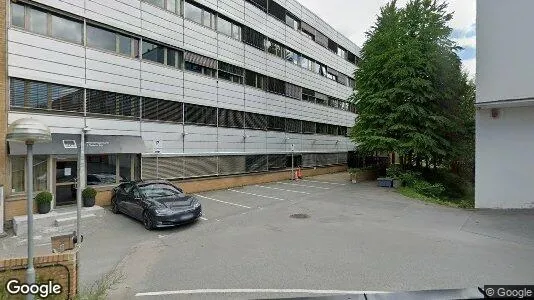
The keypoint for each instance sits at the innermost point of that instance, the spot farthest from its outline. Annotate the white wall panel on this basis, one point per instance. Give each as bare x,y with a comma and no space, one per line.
200,39
255,18
293,139
72,6
230,95
56,123
276,105
200,139
234,9
275,29
36,57
208,3
231,140
107,71
161,25
276,141
231,50
122,14
110,126
255,60
255,100
256,141
169,135
200,89
161,82
275,67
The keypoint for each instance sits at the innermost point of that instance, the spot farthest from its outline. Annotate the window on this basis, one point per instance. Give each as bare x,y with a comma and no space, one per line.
231,118
306,63
352,83
321,99
342,130
173,6
66,29
351,57
253,38
109,103
37,21
322,128
41,22
292,56
275,86
332,46
155,53
320,69
192,12
199,15
224,26
343,105
261,4
100,38
276,10
102,169
174,58
276,123
200,69
40,95
293,126
292,22
159,3
332,102
308,35
125,166
308,127
17,15
342,52
293,91
125,45
254,79
236,32
331,76
162,110
230,72
308,95
18,173
208,19
255,121
274,48
199,114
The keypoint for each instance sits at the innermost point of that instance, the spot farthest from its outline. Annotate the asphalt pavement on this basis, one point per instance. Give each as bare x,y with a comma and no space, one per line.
320,236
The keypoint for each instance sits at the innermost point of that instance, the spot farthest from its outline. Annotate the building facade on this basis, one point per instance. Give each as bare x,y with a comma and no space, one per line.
505,105
172,89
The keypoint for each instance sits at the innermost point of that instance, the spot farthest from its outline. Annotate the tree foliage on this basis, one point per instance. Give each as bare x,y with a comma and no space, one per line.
410,88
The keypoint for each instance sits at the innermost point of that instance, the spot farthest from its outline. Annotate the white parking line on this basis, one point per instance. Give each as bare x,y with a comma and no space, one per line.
262,196
273,188
257,291
202,218
310,186
327,182
229,203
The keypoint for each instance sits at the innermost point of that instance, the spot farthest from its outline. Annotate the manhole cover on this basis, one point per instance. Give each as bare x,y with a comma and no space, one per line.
299,216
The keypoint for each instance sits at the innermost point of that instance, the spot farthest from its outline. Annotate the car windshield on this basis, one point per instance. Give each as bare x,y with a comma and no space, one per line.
157,190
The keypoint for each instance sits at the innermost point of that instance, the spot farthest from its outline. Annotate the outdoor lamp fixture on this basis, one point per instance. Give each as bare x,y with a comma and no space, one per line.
29,131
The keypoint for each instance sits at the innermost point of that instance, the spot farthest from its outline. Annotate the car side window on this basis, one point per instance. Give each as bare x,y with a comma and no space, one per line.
135,193
127,187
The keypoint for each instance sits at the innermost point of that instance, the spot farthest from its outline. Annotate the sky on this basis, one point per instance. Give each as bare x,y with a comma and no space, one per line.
354,17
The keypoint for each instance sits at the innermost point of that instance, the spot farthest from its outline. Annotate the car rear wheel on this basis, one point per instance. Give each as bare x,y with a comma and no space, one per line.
148,221
114,206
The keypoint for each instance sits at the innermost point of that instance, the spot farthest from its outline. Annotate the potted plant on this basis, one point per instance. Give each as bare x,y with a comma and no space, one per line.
44,200
88,196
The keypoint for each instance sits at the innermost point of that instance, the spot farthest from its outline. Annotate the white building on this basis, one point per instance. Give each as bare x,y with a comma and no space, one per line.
505,102
223,86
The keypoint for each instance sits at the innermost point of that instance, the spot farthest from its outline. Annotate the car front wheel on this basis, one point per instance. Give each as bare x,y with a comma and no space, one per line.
148,221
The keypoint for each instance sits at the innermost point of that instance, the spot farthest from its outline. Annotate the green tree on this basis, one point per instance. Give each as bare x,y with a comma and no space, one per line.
409,84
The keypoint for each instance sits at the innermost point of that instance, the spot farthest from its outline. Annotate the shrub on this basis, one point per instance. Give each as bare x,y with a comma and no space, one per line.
455,186
428,189
88,193
43,198
394,171
356,170
409,178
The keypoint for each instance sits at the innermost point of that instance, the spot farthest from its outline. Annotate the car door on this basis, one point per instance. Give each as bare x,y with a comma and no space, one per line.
123,197
135,204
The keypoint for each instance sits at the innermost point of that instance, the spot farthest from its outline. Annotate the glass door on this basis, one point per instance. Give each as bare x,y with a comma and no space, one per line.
66,177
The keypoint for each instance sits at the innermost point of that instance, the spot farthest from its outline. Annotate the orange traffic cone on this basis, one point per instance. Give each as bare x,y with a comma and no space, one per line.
299,173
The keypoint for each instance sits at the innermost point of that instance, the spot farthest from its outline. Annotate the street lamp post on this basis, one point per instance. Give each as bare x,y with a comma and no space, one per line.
30,132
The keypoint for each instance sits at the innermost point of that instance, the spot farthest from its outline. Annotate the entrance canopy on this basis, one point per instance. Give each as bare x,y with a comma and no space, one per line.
94,144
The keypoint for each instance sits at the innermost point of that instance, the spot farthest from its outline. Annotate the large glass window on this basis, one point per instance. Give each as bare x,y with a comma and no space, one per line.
162,110
18,173
17,15
66,29
37,21
153,52
274,48
159,3
292,22
236,32
40,95
224,26
173,6
100,38
125,166
230,72
193,13
208,19
124,45
102,169
109,103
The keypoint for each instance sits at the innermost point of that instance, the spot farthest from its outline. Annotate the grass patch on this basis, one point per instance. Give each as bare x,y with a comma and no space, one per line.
466,202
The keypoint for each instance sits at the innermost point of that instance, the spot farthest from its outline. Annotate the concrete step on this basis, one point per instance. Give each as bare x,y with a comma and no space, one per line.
71,220
43,222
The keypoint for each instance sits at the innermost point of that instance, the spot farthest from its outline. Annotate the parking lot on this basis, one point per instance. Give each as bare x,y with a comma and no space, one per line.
319,235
